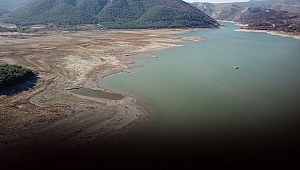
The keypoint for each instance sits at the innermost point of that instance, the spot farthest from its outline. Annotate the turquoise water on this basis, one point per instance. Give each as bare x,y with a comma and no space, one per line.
203,104
97,93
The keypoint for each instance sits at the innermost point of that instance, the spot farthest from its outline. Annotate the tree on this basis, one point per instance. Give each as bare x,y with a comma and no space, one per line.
13,74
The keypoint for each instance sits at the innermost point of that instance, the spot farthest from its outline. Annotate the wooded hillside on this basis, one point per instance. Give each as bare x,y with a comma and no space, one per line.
113,14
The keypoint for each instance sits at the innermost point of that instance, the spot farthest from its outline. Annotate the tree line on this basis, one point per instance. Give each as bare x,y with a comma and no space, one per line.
117,14
13,74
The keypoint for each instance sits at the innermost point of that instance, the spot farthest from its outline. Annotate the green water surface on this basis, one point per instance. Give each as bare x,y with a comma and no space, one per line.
97,93
203,104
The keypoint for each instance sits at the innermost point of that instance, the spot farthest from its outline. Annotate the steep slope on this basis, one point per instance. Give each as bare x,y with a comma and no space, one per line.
9,5
113,13
279,5
273,20
224,11
92,7
50,11
231,11
153,14
121,11
258,15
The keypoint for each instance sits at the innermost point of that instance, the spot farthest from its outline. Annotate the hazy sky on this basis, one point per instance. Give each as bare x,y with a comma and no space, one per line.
216,1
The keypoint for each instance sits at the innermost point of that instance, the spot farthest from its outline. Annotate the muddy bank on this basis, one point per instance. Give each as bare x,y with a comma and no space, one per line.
47,119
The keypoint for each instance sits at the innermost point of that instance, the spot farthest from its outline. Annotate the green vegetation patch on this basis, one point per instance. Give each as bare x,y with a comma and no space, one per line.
116,14
13,74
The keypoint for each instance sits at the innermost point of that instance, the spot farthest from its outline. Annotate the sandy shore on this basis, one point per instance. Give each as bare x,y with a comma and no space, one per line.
48,119
278,33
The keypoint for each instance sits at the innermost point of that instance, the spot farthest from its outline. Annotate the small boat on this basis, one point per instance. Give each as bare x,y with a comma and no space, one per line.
235,67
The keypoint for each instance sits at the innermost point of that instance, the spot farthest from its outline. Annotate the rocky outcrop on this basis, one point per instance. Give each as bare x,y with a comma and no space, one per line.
279,5
258,15
235,11
219,11
273,20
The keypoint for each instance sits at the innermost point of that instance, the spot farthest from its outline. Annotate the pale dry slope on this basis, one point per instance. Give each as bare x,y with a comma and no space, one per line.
48,119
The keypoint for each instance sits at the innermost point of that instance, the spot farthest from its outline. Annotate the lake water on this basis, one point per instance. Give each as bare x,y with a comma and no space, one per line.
206,106
97,93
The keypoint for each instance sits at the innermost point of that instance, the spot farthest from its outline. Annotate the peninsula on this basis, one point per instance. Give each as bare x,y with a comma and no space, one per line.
48,117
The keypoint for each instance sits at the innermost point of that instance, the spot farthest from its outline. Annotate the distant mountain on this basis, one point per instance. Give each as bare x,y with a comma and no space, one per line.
279,5
226,11
113,14
273,20
230,11
261,15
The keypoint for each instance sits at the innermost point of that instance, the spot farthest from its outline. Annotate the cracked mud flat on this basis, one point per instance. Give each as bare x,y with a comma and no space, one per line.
47,126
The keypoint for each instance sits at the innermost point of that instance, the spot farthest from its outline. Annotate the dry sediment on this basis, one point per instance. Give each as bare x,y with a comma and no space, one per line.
278,33
48,117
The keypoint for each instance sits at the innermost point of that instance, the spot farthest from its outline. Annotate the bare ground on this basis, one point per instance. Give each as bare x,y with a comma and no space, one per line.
48,119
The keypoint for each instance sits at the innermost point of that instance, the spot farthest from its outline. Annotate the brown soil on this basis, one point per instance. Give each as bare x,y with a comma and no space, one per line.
48,118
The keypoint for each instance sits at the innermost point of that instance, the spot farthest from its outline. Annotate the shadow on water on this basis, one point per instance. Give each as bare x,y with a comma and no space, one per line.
24,86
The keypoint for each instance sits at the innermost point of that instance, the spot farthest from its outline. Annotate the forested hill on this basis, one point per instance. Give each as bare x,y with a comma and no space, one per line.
113,14
50,11
8,5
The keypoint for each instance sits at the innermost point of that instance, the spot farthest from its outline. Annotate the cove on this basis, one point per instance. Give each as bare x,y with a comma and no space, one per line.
97,93
205,107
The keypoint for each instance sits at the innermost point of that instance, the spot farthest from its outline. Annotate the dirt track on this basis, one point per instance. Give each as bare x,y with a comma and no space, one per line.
48,117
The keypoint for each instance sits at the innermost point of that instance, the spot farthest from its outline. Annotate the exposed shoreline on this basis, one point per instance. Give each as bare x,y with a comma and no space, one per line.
48,118
50,124
278,33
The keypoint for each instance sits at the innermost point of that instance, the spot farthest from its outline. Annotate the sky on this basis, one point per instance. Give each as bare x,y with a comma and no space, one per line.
216,1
